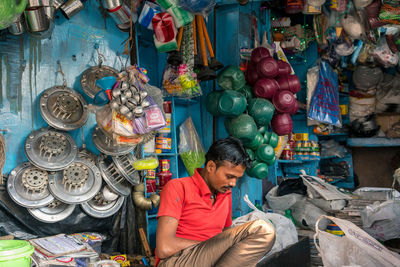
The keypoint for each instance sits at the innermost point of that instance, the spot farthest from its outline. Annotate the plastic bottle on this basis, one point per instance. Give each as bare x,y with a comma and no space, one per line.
164,176
258,205
288,214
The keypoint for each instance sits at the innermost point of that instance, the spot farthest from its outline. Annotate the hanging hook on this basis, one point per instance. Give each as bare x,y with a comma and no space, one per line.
62,73
100,57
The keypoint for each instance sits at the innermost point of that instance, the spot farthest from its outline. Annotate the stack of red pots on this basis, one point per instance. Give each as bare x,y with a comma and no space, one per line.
271,79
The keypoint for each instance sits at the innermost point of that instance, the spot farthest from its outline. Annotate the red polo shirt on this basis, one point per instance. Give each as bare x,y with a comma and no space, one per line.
189,201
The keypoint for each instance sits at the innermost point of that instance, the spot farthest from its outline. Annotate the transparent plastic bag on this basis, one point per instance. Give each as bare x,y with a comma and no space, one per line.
190,148
202,7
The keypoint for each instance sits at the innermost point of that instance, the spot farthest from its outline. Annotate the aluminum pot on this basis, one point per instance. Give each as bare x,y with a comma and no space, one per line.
71,8
36,19
57,4
111,4
121,15
18,26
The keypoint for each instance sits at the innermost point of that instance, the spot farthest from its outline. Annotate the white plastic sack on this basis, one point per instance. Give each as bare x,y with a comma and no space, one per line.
382,220
285,231
328,205
356,247
276,202
307,214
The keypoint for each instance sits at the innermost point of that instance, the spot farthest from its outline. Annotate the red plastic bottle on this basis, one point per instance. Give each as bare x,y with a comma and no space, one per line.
164,176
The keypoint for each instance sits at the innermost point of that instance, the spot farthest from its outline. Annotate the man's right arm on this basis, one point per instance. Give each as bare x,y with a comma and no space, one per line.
167,242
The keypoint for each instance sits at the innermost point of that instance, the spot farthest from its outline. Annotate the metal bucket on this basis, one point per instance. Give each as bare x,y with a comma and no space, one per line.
36,19
57,4
121,15
18,26
111,4
71,7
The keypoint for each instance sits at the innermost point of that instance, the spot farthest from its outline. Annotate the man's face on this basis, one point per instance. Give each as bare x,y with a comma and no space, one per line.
225,176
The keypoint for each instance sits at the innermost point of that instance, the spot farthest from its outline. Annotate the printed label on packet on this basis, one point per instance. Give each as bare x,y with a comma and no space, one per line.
121,259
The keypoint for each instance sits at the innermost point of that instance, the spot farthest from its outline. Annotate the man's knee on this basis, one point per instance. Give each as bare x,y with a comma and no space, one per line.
264,230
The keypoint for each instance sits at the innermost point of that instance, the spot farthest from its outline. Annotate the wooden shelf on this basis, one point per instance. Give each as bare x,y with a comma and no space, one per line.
373,142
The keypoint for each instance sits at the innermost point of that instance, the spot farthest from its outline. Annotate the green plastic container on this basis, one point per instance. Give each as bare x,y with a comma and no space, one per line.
261,110
267,136
231,103
258,170
231,78
274,140
265,153
247,92
251,153
15,253
242,127
256,142
212,103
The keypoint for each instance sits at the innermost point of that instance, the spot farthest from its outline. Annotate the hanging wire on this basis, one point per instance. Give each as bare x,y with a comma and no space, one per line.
2,156
61,73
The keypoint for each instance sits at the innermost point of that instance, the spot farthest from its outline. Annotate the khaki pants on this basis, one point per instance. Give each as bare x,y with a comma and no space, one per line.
243,246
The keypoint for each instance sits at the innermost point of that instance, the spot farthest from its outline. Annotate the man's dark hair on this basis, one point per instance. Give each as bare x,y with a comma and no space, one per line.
229,149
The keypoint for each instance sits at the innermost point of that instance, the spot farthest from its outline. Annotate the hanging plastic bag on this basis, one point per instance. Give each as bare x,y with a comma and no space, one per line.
202,7
190,148
325,101
356,247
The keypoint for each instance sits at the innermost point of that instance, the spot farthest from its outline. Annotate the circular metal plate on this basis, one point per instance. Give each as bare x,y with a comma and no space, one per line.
50,149
91,75
106,145
87,154
27,186
76,184
52,213
102,210
125,166
112,176
63,108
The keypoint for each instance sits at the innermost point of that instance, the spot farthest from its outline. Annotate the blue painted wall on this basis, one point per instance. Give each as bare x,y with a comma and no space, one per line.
29,66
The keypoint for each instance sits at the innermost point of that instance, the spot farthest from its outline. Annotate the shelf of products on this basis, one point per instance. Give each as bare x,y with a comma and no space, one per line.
373,142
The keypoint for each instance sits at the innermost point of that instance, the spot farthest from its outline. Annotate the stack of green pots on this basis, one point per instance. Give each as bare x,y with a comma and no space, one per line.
250,127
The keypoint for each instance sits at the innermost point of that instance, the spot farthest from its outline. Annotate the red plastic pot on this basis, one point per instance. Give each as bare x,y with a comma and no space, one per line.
251,74
284,101
259,53
266,88
295,108
289,83
268,68
284,68
282,124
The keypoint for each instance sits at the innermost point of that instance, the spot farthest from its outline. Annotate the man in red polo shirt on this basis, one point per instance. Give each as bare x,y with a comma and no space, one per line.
195,213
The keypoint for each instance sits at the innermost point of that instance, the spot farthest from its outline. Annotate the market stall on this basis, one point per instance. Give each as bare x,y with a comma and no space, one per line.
104,102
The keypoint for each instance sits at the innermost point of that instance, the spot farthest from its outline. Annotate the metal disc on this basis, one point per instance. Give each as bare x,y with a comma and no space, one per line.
107,146
76,184
91,75
27,186
112,176
87,154
54,212
50,149
125,166
63,108
99,208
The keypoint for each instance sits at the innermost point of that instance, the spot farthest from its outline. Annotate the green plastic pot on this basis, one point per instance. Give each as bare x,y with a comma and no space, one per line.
15,253
273,140
242,127
251,153
247,91
267,136
271,162
231,103
265,153
262,110
212,103
231,78
262,130
256,142
258,170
